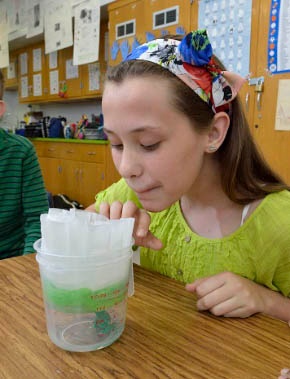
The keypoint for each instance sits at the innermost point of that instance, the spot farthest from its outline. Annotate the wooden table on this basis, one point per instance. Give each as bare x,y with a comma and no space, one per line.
165,337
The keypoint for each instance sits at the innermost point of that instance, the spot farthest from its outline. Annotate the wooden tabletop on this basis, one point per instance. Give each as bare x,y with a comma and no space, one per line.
165,337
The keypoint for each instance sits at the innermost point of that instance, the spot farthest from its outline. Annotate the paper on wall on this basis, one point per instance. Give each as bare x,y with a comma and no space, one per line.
282,121
23,64
57,25
94,76
4,49
11,72
36,59
35,11
87,32
53,82
37,85
71,71
24,87
53,60
17,15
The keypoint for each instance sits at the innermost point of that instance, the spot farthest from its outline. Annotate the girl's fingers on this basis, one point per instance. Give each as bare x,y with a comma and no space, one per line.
116,210
142,235
105,209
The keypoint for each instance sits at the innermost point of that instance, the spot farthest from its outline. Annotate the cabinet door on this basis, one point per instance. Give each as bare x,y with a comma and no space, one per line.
126,23
52,70
31,72
71,175
37,70
24,75
69,75
52,172
167,17
93,73
273,143
92,181
83,180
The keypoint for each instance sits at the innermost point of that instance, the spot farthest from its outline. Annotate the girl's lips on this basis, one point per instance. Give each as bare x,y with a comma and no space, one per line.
143,191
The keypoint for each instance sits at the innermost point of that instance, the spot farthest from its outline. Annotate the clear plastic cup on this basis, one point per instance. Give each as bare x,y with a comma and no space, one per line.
85,297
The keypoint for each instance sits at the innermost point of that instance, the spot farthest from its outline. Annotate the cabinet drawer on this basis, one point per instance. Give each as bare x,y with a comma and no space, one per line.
48,149
70,151
93,153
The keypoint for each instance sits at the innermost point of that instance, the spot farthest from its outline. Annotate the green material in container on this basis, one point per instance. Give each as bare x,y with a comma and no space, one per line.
84,300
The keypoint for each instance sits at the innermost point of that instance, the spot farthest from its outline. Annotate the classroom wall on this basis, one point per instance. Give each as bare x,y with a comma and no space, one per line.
72,111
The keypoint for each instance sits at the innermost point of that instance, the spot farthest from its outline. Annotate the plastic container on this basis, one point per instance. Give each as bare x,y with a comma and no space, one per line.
85,297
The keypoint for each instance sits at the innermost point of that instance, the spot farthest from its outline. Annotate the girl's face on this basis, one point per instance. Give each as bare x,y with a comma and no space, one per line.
154,147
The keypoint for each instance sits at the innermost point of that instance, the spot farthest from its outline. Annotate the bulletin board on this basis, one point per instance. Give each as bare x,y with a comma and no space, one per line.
228,24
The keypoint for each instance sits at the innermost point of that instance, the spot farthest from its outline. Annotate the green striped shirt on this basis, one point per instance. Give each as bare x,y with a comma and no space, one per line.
22,195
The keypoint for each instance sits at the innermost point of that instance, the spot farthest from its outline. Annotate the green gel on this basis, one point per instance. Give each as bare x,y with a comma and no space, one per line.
84,300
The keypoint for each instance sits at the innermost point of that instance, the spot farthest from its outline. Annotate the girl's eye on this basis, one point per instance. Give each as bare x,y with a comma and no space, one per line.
152,147
117,146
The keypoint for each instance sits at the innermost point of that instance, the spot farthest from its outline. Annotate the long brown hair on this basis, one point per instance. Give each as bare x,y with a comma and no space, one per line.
1,85
245,175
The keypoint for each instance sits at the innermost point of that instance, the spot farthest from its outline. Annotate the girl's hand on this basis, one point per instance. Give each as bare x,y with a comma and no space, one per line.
229,295
141,233
284,374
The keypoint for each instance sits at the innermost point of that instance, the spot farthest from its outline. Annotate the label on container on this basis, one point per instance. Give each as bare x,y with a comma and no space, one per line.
84,300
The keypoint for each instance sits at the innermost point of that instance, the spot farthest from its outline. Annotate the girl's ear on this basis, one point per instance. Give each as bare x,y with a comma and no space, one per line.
218,131
2,107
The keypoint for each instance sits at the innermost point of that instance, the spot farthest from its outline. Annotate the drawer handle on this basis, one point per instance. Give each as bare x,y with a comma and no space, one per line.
91,153
70,151
51,149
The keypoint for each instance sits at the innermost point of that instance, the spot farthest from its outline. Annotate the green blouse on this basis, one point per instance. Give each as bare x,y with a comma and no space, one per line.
258,250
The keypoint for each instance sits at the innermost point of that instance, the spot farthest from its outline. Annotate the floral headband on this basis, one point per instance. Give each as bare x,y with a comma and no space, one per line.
191,61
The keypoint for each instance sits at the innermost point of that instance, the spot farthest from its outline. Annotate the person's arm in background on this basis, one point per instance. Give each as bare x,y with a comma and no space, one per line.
34,199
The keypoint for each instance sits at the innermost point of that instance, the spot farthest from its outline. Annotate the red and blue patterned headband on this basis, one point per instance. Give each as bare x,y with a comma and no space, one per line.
191,61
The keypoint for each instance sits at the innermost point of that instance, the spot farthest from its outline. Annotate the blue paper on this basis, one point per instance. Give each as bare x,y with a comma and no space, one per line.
114,50
124,49
135,44
149,36
180,30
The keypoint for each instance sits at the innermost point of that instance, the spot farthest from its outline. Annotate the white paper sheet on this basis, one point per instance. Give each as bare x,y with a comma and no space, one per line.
94,76
37,85
23,64
3,12
57,25
11,72
283,105
71,71
37,59
17,14
53,82
53,60
87,32
4,49
35,10
24,87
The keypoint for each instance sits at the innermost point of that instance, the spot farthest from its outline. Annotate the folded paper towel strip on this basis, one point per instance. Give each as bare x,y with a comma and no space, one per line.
75,233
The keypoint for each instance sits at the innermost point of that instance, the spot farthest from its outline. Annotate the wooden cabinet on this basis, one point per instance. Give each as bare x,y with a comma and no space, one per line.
11,72
53,77
79,170
126,24
133,21
70,75
274,144
31,73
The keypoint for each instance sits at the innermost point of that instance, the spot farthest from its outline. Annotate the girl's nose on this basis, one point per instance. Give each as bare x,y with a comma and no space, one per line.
129,164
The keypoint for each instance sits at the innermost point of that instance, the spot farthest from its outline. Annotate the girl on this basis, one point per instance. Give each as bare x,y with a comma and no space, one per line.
209,211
